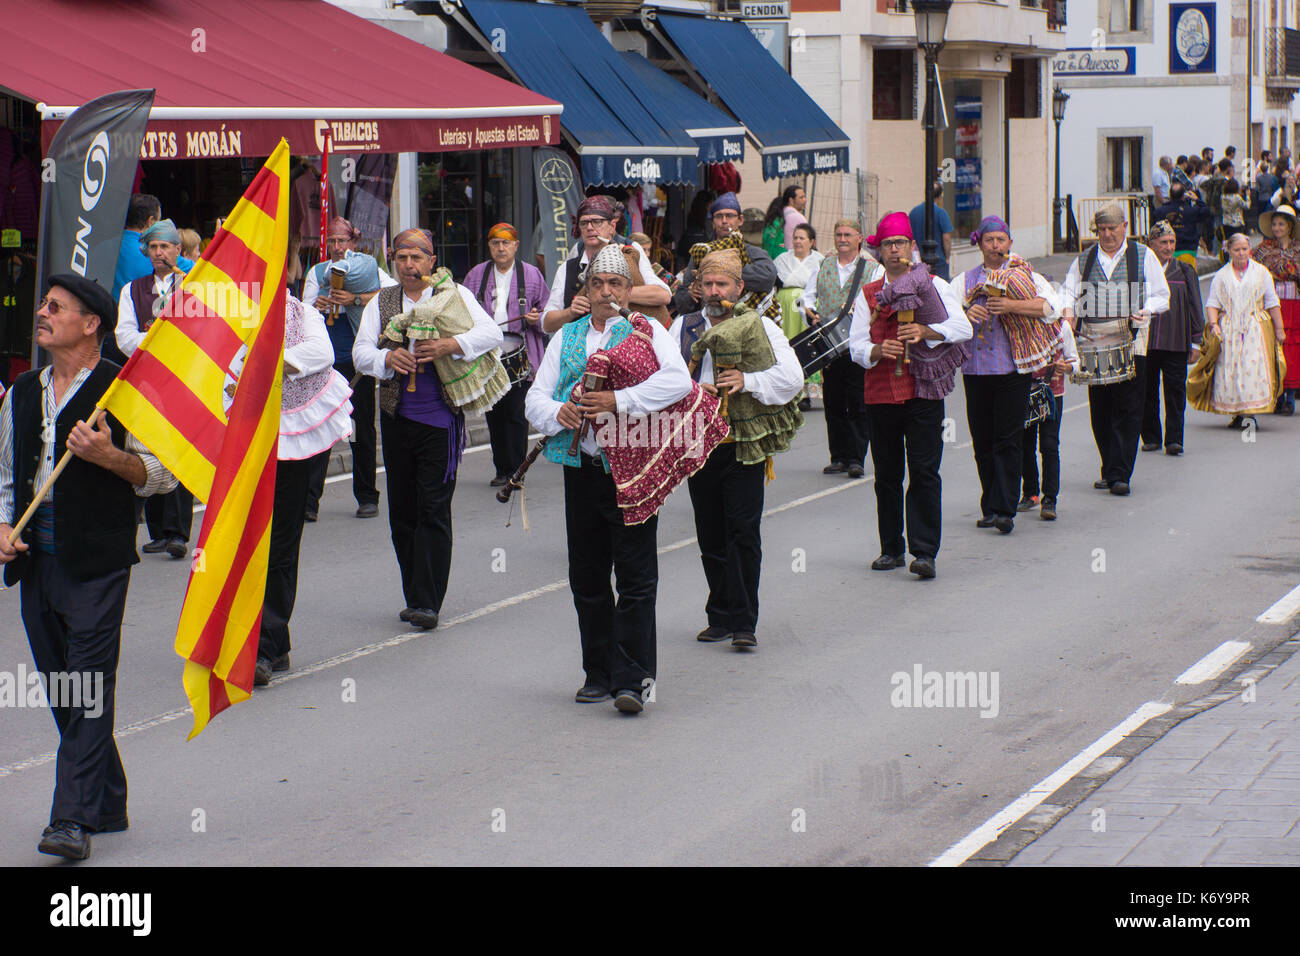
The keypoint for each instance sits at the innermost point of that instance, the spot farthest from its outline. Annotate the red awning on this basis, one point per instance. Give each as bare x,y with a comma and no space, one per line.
233,77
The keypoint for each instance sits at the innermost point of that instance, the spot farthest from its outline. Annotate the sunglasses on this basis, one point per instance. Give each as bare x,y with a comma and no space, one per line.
54,307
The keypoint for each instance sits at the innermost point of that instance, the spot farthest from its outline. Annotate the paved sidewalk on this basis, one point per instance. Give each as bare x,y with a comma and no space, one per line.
1220,788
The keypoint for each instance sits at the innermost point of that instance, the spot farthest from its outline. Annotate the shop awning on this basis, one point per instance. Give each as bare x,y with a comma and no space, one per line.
233,77
720,138
796,136
558,51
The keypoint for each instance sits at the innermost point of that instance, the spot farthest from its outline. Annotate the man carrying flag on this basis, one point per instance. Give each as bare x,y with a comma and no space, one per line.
75,565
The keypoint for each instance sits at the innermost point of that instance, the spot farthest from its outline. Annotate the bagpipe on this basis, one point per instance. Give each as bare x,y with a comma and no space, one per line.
1033,341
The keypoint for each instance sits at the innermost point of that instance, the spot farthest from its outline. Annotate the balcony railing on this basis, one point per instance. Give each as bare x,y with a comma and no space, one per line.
1282,52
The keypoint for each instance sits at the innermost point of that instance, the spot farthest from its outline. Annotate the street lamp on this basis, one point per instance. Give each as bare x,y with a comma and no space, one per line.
931,24
1059,99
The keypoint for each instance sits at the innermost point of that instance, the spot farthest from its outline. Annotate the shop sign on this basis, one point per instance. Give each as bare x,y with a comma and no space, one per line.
758,10
1191,38
1112,61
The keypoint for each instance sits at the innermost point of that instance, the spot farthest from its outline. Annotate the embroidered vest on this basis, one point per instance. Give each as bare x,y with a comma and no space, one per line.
573,364
830,294
1105,300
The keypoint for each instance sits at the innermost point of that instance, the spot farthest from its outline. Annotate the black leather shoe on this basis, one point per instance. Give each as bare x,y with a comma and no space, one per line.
743,639
805,404
113,824
856,471
498,481
280,663
1003,524
425,617
177,548
66,839
156,546
406,614
1119,488
835,468
887,562
1027,503
368,510
1175,449
1151,446
311,516
262,672
591,694
985,522
1102,485
711,634
1048,511
629,701
923,568
1236,422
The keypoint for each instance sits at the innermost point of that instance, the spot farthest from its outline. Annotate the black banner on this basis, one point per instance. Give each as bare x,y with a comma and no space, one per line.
558,193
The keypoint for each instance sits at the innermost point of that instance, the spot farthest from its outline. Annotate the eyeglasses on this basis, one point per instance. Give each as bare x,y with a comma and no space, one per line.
54,307
591,222
894,243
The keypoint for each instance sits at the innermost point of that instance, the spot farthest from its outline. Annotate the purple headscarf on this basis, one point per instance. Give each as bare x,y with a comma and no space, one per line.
989,224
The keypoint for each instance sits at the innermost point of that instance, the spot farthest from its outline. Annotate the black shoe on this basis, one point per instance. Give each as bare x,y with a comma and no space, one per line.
312,515
591,694
66,839
262,671
368,510
1151,446
280,663
498,481
711,634
1236,422
1102,485
629,701
156,546
177,548
406,614
425,617
805,404
856,471
1048,511
1003,524
923,568
1027,503
835,468
887,562
1119,488
1174,449
985,522
744,639
113,824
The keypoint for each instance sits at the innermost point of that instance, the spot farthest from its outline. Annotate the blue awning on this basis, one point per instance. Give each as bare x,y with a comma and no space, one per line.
796,136
558,52
720,138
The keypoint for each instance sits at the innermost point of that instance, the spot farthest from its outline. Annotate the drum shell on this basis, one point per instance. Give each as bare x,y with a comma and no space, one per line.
1104,360
818,346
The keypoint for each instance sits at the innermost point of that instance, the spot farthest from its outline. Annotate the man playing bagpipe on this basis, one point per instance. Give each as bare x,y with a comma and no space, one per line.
615,477
735,353
426,320
907,332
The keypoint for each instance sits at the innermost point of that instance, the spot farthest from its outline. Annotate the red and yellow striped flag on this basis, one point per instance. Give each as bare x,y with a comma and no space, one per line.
170,395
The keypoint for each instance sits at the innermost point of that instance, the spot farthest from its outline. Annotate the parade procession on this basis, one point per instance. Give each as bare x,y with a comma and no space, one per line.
628,322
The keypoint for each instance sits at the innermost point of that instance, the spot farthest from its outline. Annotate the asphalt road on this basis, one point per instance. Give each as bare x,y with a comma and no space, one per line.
463,745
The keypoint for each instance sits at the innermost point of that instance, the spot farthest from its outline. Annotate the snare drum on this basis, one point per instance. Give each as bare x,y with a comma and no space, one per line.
818,346
1105,359
514,358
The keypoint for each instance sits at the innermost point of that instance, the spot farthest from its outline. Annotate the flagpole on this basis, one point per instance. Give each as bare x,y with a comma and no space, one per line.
47,485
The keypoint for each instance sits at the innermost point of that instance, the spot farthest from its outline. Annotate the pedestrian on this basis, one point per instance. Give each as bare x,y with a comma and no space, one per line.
514,294
1186,214
1173,342
794,269
942,231
1110,291
1044,437
910,369
1280,254
1160,180
1234,206
75,568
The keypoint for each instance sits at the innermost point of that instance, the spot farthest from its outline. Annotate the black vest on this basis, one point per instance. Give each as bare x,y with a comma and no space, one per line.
94,510
144,299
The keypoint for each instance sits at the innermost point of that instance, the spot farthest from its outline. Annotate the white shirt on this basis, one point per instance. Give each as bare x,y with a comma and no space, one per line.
128,332
503,280
1157,289
368,357
556,301
158,480
311,288
808,300
1041,286
671,383
955,328
793,271
772,386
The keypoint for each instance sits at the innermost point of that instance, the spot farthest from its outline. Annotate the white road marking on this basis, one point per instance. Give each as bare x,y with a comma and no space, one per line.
989,831
1214,663
1281,612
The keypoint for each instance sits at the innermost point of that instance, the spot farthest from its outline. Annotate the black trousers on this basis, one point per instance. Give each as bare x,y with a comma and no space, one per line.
911,435
170,515
75,631
995,412
1116,413
848,428
419,506
362,445
1043,437
508,430
1172,368
618,639
288,514
728,501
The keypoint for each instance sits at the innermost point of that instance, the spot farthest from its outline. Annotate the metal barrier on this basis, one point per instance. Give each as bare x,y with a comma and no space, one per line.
1139,217
843,195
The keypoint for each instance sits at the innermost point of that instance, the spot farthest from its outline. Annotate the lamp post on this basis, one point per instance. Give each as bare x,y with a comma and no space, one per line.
1059,99
931,24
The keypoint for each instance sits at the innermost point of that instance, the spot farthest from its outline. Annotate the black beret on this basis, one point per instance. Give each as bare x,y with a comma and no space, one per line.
92,296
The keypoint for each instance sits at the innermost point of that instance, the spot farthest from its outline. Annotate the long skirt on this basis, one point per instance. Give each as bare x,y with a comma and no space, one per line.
1245,377
1291,347
792,323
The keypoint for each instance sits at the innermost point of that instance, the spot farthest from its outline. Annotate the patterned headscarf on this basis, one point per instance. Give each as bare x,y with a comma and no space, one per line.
989,224
420,240
503,230
722,262
610,261
164,230
1159,228
607,207
341,227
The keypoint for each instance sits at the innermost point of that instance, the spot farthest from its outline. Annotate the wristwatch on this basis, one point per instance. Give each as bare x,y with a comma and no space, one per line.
356,300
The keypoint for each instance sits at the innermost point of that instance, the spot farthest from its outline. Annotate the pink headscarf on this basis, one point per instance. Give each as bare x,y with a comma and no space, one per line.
893,224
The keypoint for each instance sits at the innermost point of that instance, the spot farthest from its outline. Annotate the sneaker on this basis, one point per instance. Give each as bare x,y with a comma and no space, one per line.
1027,503
1048,511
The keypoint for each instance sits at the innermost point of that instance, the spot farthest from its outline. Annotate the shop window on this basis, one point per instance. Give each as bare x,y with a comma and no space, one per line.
893,84
461,195
1125,163
1024,88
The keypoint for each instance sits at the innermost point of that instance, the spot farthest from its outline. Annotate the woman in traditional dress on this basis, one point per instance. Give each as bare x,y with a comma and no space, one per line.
794,269
1243,312
1280,255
